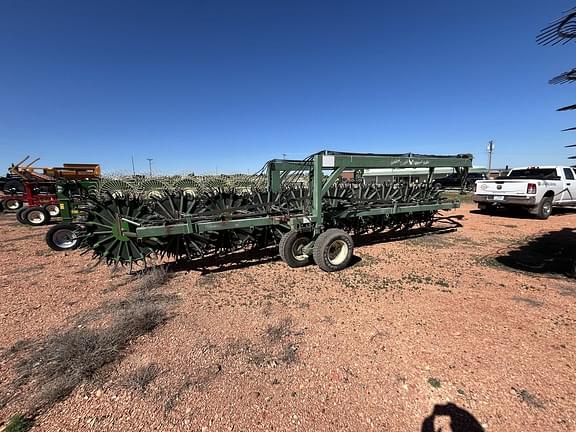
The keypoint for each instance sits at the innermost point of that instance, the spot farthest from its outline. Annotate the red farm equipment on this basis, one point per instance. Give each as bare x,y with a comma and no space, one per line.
31,191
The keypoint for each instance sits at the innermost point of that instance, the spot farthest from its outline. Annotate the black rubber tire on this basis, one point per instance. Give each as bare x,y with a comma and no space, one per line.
12,204
20,215
36,222
53,241
483,207
13,185
54,207
289,244
544,209
323,249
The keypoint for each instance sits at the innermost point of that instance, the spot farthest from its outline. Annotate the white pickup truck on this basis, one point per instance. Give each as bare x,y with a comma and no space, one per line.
536,189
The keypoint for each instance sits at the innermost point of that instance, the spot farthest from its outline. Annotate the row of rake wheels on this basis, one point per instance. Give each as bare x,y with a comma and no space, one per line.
332,250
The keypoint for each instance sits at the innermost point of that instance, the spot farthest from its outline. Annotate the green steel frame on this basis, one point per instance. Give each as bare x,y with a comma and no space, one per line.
323,169
71,194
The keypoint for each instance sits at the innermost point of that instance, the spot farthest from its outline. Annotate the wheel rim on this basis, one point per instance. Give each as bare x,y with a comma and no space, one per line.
64,238
337,252
35,217
546,207
297,249
53,209
12,204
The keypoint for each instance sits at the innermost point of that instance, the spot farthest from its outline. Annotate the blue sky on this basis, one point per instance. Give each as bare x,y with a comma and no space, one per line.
223,86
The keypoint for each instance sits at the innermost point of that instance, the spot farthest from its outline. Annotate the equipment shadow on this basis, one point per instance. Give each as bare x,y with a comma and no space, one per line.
550,253
248,258
234,261
446,226
518,213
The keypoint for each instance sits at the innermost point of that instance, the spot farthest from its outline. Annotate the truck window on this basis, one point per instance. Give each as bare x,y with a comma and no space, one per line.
568,174
534,173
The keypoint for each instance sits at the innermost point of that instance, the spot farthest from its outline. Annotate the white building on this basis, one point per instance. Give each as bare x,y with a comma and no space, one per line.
380,175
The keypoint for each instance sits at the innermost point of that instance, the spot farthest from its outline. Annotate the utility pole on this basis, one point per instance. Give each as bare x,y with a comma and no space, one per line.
150,165
133,169
490,151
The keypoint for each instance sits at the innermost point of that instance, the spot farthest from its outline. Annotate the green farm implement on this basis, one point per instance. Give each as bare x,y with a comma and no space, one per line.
305,207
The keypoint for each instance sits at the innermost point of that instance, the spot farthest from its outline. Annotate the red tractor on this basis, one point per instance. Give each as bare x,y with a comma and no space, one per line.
31,192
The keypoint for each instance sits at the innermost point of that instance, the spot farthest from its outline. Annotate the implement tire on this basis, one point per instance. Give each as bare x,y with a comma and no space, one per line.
20,215
12,204
36,216
63,237
333,250
52,209
290,249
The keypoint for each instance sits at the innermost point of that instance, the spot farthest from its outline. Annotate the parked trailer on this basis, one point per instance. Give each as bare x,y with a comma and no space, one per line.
75,184
41,203
299,206
40,190
31,186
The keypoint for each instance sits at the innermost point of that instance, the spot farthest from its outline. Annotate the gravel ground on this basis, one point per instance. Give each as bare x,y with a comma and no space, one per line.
463,324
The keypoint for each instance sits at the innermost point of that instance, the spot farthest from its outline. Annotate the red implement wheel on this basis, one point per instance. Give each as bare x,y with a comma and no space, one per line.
12,204
20,215
52,209
36,216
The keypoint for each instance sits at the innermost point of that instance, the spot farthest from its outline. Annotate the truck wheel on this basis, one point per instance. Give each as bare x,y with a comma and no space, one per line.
20,215
544,209
12,204
36,216
482,207
290,249
52,209
333,250
63,236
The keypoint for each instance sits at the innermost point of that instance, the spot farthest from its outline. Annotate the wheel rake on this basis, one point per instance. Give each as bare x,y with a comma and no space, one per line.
105,234
208,217
105,237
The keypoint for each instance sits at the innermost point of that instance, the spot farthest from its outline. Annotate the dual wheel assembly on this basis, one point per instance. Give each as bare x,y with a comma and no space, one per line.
332,250
37,216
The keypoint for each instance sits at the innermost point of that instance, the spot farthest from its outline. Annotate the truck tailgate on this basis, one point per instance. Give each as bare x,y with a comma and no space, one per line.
502,187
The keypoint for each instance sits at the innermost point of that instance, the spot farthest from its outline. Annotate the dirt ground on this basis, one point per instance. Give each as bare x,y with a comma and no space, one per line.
474,326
